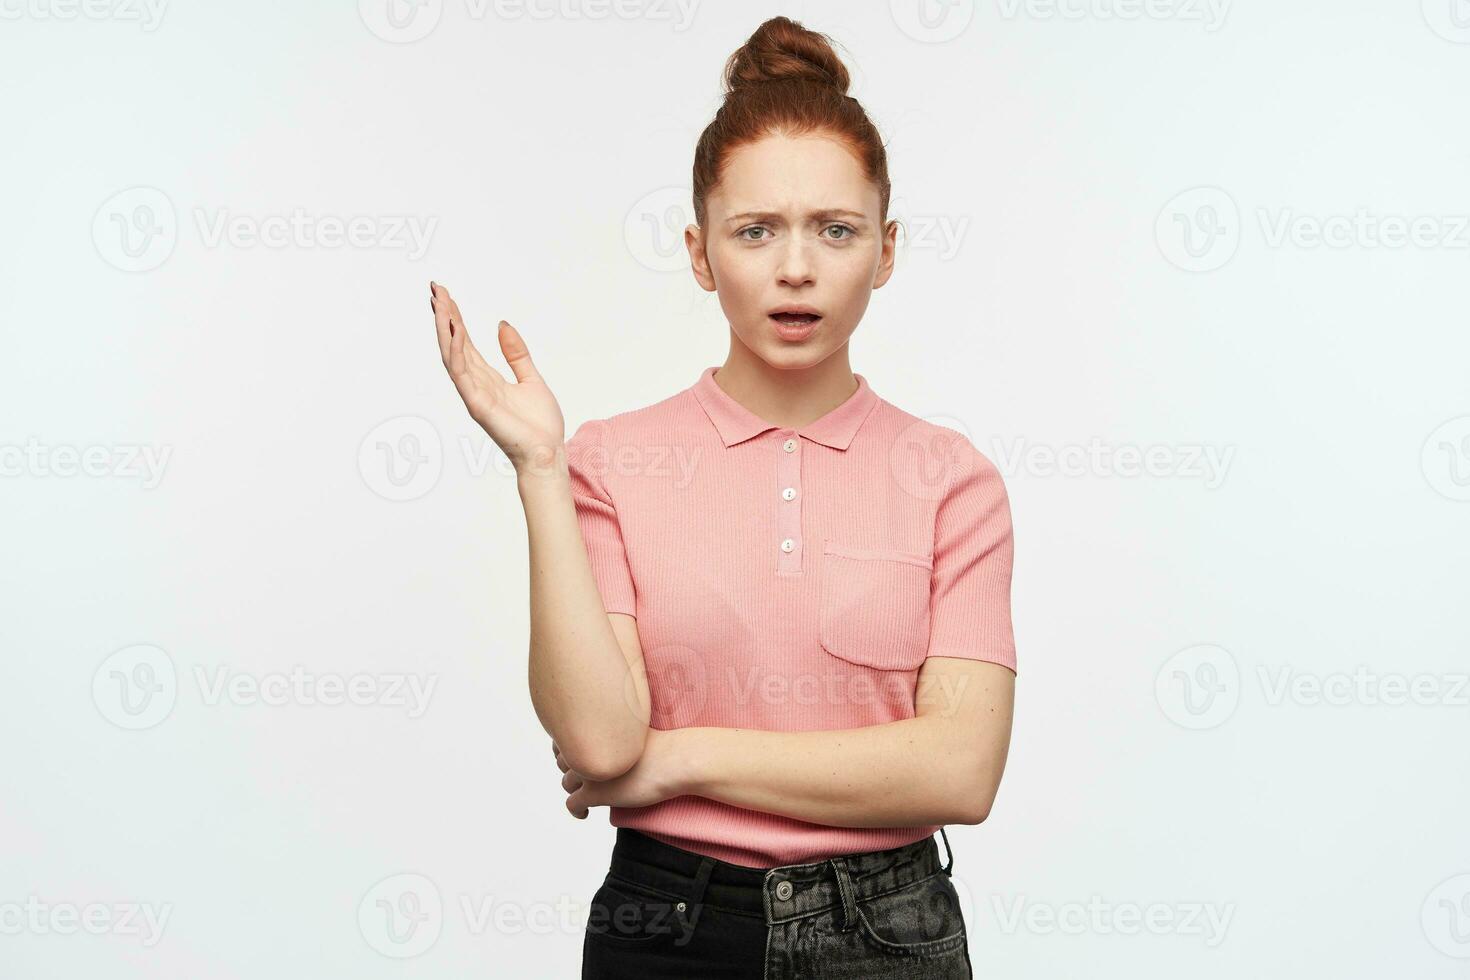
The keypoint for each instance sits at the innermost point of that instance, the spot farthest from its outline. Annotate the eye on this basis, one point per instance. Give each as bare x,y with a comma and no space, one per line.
742,231
845,228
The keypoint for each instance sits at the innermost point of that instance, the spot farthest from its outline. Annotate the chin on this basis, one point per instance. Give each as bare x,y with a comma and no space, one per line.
787,356
792,357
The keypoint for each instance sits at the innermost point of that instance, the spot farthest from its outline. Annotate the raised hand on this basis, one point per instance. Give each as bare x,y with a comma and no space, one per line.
523,418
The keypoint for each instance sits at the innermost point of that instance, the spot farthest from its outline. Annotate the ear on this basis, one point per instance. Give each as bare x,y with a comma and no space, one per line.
694,241
888,254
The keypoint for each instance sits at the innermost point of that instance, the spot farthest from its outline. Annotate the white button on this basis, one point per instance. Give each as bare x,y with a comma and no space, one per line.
787,545
789,445
788,494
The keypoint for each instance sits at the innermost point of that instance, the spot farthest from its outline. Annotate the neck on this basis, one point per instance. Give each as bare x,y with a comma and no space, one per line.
786,397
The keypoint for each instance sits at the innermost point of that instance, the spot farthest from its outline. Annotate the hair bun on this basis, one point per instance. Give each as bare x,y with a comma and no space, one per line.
782,50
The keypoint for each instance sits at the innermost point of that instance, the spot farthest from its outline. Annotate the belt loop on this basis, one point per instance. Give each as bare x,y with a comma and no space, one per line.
845,889
701,880
947,850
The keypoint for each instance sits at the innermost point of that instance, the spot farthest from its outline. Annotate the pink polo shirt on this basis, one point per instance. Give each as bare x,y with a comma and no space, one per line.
789,580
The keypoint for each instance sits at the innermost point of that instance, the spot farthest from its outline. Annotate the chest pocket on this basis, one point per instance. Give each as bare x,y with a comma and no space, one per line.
875,606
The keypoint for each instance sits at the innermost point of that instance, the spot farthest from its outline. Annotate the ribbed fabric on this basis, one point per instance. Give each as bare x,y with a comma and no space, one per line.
898,537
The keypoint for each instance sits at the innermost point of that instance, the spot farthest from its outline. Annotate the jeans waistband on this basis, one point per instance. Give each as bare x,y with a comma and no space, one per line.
780,894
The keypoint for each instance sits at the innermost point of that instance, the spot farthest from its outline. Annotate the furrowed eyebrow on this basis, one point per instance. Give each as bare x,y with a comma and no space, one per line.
814,215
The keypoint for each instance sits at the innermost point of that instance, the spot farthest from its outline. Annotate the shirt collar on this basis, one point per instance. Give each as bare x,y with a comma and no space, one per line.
736,423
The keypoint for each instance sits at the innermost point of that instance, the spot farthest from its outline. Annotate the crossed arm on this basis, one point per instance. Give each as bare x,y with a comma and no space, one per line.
590,690
942,766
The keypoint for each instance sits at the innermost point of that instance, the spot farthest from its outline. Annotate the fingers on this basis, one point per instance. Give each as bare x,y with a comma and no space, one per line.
579,793
477,382
457,335
459,351
517,354
576,806
460,357
449,327
461,336
472,353
441,320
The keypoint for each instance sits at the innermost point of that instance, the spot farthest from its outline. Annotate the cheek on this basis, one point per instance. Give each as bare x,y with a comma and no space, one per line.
741,281
849,281
855,268
741,272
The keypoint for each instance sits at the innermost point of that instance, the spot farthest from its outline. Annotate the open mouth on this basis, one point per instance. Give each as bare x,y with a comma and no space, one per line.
795,317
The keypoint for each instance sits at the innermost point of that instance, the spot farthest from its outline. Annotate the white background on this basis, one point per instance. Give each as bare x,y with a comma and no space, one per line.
1096,194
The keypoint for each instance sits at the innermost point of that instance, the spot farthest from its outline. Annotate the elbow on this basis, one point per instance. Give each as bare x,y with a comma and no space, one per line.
971,796
972,800
600,768
972,811
607,759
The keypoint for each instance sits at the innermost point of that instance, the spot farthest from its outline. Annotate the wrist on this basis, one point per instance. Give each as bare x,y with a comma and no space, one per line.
542,467
678,756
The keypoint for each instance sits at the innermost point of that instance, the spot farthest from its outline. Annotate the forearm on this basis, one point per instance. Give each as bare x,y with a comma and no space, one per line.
915,772
579,677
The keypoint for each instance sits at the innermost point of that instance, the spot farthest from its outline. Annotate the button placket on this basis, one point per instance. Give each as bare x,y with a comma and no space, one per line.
788,503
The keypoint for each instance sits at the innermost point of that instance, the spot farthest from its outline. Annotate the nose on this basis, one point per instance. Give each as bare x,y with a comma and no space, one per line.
796,266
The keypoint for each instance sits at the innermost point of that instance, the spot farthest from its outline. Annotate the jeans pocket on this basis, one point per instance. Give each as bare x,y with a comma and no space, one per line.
625,912
920,919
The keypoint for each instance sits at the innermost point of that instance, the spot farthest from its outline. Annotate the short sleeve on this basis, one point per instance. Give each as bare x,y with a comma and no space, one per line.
970,598
587,463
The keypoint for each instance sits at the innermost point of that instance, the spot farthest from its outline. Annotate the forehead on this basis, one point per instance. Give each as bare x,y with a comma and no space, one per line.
793,173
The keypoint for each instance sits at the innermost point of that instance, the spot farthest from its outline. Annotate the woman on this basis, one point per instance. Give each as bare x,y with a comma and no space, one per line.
770,614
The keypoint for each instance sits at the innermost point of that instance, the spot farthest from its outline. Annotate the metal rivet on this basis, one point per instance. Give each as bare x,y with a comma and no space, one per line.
680,906
783,890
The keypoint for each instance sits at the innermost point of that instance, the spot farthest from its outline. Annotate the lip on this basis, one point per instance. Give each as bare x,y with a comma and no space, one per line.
795,332
794,308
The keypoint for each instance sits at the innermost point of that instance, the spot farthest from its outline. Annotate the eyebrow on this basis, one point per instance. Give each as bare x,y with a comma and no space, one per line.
815,215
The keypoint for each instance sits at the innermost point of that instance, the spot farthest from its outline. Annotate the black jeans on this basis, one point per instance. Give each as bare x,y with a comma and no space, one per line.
665,913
